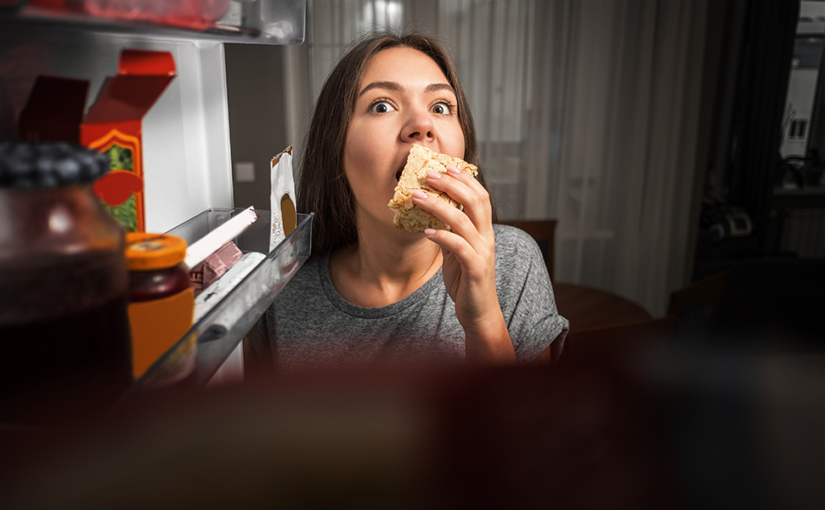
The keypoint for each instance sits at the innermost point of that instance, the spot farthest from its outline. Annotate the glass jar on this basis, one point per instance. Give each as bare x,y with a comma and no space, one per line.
161,304
64,328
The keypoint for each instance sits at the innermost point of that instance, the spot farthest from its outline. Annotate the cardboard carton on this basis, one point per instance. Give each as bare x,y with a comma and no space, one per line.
112,126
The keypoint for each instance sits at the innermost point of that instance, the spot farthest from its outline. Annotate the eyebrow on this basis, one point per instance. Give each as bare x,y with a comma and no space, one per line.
391,85
435,87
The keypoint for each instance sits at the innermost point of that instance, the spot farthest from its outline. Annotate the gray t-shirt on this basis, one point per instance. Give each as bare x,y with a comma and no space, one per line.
311,326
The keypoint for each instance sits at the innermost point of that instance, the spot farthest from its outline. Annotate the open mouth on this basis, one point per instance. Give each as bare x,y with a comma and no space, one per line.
398,173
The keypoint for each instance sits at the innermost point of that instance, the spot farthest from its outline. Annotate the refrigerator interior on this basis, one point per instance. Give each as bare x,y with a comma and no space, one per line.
186,145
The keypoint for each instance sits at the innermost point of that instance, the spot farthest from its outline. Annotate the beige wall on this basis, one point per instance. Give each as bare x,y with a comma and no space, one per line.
257,120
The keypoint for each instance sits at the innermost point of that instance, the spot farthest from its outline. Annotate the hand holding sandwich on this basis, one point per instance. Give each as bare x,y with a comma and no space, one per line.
469,262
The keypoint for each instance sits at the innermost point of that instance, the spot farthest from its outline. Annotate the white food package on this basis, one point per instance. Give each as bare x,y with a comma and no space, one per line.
214,293
282,198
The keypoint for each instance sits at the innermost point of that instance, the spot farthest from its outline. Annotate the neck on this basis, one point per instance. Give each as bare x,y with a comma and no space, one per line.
384,267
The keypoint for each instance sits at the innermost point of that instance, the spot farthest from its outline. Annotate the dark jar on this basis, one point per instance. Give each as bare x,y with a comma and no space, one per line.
161,306
64,327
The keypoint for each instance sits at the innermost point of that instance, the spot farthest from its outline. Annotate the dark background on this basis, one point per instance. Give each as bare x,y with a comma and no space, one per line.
773,298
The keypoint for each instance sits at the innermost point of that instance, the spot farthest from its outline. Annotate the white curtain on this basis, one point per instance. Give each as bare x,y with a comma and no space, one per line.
335,24
587,112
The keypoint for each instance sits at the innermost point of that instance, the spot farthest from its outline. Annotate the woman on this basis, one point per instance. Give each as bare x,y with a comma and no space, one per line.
375,293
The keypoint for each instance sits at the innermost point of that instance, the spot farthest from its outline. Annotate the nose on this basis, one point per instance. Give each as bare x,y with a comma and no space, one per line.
419,127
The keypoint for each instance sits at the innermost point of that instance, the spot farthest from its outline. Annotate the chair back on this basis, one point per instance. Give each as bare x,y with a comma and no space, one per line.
624,338
544,232
696,307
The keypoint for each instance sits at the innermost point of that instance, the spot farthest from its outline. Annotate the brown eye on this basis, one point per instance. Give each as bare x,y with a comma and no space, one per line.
442,109
381,107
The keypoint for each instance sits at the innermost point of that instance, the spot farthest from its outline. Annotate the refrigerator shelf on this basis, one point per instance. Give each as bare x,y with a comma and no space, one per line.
278,22
220,330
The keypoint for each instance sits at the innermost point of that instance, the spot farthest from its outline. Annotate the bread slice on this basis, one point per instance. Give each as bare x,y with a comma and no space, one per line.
407,215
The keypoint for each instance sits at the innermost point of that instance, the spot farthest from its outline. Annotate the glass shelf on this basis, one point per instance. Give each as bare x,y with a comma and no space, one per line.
220,330
278,22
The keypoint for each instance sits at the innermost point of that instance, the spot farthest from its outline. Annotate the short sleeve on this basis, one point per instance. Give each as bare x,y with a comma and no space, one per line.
525,295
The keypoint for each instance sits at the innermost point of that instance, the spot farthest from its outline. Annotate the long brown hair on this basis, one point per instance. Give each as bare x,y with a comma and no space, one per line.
323,187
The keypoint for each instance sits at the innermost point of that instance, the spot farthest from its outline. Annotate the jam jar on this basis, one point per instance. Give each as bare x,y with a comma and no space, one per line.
161,305
64,326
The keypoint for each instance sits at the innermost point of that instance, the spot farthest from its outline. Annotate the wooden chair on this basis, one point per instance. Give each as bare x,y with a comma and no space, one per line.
611,340
544,232
696,307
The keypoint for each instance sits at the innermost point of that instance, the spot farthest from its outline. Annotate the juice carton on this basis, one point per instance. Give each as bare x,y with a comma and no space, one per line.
113,125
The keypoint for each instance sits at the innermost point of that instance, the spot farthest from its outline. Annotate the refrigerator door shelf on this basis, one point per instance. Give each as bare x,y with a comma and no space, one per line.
280,22
220,331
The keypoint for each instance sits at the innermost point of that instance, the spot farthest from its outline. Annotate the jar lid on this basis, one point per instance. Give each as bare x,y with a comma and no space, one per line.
39,165
145,251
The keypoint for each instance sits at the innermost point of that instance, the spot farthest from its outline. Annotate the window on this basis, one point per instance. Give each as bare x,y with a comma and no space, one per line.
798,129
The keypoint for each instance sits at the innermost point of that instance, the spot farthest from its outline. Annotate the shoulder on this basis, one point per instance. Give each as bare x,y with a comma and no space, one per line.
512,240
509,233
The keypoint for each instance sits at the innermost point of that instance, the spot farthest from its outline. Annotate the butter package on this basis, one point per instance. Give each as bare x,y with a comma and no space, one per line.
282,198
203,274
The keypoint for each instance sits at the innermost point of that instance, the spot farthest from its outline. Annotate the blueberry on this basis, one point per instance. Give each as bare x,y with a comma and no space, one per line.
88,165
44,148
21,150
4,172
64,148
48,181
103,162
17,168
44,165
68,170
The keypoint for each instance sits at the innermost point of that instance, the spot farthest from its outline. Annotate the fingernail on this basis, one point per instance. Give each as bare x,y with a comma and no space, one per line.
433,175
417,193
453,170
429,231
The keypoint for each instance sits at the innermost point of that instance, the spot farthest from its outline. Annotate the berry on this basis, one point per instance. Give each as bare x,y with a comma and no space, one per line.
29,165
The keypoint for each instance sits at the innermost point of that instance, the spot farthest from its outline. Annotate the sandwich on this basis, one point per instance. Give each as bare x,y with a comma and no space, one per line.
414,176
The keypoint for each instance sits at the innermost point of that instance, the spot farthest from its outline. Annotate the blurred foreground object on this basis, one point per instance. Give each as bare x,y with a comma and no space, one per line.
64,328
499,438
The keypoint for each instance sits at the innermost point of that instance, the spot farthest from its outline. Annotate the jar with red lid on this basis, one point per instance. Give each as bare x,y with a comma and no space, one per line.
161,304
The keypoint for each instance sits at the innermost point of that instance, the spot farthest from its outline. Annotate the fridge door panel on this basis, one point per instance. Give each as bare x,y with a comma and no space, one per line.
186,140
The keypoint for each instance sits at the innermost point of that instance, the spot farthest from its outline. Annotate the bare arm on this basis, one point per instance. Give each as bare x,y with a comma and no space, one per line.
469,264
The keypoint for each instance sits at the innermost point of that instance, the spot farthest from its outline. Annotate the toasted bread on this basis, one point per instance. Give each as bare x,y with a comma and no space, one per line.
409,216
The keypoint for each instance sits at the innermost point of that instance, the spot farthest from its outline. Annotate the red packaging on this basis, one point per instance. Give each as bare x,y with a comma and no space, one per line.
114,126
54,112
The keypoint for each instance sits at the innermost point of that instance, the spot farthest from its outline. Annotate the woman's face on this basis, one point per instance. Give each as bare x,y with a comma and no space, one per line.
404,98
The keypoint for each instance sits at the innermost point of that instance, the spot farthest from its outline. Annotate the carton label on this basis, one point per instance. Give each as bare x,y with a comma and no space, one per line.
121,190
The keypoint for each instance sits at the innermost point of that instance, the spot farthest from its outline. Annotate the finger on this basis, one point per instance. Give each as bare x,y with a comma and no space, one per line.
456,219
459,185
466,190
455,244
465,177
